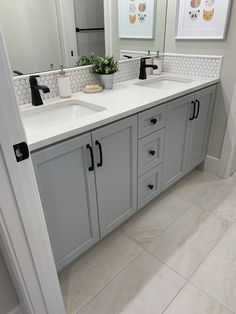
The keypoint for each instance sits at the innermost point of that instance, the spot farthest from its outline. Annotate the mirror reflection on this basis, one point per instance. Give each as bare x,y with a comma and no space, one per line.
41,35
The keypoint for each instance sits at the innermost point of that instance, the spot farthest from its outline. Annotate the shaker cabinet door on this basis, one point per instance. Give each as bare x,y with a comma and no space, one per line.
115,149
200,127
175,140
68,196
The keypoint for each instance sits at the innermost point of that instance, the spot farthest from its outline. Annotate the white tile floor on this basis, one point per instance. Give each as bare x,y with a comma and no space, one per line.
176,256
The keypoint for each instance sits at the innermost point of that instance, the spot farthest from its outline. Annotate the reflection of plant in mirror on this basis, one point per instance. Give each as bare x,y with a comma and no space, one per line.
85,60
105,65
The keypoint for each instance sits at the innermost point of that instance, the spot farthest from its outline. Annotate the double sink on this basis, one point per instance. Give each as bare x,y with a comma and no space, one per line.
72,110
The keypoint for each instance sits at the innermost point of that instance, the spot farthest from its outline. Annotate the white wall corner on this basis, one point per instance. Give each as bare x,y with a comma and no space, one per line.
16,310
211,165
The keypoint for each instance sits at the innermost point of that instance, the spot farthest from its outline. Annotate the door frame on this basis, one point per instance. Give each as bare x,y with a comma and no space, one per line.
22,225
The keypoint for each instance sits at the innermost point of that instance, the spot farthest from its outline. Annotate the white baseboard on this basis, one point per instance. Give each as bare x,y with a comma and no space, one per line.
211,165
16,310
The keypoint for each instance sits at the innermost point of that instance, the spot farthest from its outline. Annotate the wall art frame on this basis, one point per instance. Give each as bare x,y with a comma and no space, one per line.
136,18
202,19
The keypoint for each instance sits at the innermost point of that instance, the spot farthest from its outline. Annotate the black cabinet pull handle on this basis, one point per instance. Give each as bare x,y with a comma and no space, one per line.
151,186
152,152
100,163
89,147
198,109
153,121
194,110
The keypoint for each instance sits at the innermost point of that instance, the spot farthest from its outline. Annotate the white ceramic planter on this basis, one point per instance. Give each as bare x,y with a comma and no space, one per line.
106,80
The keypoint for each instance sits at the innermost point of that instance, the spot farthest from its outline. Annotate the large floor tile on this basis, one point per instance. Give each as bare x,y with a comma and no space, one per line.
85,278
221,199
217,274
146,286
193,301
153,219
194,185
185,244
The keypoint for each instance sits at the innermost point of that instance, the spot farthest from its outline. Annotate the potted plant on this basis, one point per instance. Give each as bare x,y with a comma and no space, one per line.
105,67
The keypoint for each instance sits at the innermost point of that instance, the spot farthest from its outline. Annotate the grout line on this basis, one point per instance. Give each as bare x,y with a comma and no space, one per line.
174,298
210,296
110,281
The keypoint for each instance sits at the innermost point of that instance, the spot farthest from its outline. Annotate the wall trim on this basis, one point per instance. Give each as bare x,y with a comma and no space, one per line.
16,310
211,165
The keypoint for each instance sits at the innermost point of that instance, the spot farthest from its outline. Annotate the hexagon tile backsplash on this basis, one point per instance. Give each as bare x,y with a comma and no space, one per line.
207,66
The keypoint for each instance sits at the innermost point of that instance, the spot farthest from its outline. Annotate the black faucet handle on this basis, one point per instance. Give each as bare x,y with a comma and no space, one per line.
33,79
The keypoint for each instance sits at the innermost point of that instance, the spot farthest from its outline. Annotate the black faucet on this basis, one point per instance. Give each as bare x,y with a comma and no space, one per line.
143,66
35,88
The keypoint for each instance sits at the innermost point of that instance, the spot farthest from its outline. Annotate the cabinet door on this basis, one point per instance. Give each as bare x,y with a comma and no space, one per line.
68,197
116,172
200,127
175,139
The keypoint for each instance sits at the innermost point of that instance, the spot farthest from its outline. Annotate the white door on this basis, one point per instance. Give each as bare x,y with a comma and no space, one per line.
22,224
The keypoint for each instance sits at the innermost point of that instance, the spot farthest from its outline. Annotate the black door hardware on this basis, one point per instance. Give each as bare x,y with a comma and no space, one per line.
194,110
89,147
21,151
153,121
152,152
198,109
100,163
95,29
151,186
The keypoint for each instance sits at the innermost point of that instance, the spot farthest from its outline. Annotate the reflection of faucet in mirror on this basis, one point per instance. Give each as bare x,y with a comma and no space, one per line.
18,72
36,97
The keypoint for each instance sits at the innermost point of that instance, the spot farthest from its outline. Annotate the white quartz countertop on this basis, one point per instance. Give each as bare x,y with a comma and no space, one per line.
124,100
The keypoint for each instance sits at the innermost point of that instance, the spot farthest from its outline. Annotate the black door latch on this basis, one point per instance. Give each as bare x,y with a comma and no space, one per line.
21,151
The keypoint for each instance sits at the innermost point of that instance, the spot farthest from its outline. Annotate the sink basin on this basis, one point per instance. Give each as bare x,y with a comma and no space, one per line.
52,114
164,82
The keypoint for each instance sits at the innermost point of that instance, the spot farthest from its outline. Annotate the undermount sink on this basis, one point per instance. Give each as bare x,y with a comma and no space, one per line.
164,82
59,113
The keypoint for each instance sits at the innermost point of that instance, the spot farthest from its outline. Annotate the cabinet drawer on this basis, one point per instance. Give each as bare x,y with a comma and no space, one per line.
151,120
149,186
150,151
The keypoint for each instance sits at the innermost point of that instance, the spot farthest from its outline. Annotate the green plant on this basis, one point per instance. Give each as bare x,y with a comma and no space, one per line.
85,60
104,65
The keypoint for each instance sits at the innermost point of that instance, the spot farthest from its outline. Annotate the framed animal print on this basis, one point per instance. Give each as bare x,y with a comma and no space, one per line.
202,19
136,18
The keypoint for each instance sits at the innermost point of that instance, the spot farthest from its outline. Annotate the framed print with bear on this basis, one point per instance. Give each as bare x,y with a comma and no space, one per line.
202,19
136,18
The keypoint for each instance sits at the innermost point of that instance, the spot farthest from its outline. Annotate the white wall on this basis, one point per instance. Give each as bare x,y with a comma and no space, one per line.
31,32
8,297
227,48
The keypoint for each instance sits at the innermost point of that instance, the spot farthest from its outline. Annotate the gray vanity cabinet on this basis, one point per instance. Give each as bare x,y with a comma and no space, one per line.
175,140
68,196
199,127
115,149
187,132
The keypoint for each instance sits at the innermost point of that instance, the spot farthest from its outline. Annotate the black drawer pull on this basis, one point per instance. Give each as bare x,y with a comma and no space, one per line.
194,110
151,186
89,147
198,109
100,163
153,121
152,152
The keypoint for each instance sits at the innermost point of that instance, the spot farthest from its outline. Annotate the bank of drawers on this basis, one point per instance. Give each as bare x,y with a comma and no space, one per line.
151,131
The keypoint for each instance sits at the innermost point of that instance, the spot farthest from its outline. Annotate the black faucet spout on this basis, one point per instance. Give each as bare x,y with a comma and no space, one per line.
35,88
45,89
